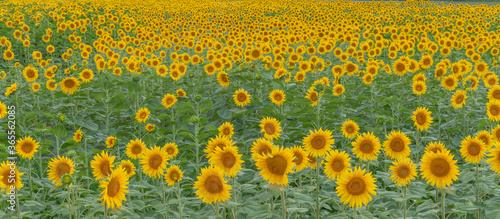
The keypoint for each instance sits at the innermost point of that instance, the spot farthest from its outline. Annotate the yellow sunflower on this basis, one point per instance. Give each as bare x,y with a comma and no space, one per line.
135,149
77,137
142,115
350,129
58,167
300,158
128,166
496,133
227,159
275,166
3,110
270,127
400,67
168,100
355,187
27,147
8,182
366,146
439,168
102,165
313,96
435,147
110,142
486,137
218,141
261,147
69,85
396,145
493,110
173,174
337,164
30,74
114,189
458,99
211,186
171,149
86,75
241,97
277,97
154,161
472,149
403,171
494,93
422,118
51,84
318,143
223,79
449,82
338,89
494,159
150,127
419,87
226,130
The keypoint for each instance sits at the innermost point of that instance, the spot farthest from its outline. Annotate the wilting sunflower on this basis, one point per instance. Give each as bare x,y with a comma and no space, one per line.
69,85
227,159
366,146
396,145
318,143
439,168
241,97
135,148
150,127
223,79
11,89
77,137
312,95
472,149
3,110
51,84
58,167
86,75
486,137
275,166
403,171
260,147
218,141
270,127
173,174
422,118
154,161
493,110
299,158
434,147
171,149
27,147
338,89
114,188
226,130
419,87
494,161
30,74
102,165
277,97
211,186
128,166
168,100
355,187
458,99
350,129
6,178
449,82
110,142
337,164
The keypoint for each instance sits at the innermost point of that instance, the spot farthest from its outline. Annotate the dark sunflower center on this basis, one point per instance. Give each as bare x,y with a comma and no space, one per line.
318,142
337,164
226,131
496,94
61,169
143,115
30,73
128,169
419,88
421,118
459,99
223,78
350,68
170,151
241,97
403,172
220,145
113,187
494,110
69,83
174,176
366,147
314,97
155,161
264,149
169,101
440,167
298,158
474,149
27,147
269,128
400,67
277,165
450,82
213,184
277,97
228,160
105,168
356,186
350,129
397,145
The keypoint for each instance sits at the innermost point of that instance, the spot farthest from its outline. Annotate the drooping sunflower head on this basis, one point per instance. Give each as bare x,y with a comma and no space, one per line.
7,180
226,130
275,166
270,127
355,187
168,101
58,167
439,168
337,164
220,142
110,142
114,188
277,97
128,166
422,118
26,147
472,149
135,149
241,97
397,145
458,99
227,159
261,147
154,161
102,165
318,143
142,115
350,129
366,146
403,171
211,186
173,174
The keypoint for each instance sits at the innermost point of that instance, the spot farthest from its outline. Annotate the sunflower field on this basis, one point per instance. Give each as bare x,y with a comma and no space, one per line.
249,109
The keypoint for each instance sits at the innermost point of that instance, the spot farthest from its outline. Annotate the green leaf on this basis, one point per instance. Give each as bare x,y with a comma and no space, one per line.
224,113
59,131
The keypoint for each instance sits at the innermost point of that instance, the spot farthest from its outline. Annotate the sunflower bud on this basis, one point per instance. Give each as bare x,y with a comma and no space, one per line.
71,153
66,179
193,119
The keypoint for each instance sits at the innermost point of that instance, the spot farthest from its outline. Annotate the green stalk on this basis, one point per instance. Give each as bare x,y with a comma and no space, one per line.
163,192
283,206
443,211
404,201
317,187
105,211
478,211
29,178
179,198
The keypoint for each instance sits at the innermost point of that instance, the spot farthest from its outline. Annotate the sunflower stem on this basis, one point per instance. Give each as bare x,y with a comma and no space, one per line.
404,201
17,207
29,178
317,187
163,192
179,198
216,209
283,206
478,211
443,210
105,211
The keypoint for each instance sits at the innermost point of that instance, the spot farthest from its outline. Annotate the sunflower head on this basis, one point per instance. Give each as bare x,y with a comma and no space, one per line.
472,150
173,174
355,187
275,166
211,186
226,129
337,164
102,165
171,149
277,97
270,127
403,171
318,143
350,129
26,147
422,118
366,146
58,167
397,145
227,159
114,188
6,172
154,161
241,98
439,168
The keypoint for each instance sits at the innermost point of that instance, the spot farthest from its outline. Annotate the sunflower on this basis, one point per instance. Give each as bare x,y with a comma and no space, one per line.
396,145
223,79
355,187
486,137
439,168
58,167
218,141
227,159
135,149
318,143
277,97
419,87
114,188
270,127
472,149
69,85
110,142
168,100
51,84
481,67
493,110
261,147
173,174
8,55
3,110
27,147
337,164
494,93
86,75
312,95
226,130
449,82
241,97
211,186
102,165
77,137
7,181
494,159
403,171
128,166
275,166
422,118
458,99
154,161
30,74
300,158
11,89
400,67
350,129
435,147
350,68
150,127
142,115
338,89
171,149
366,146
